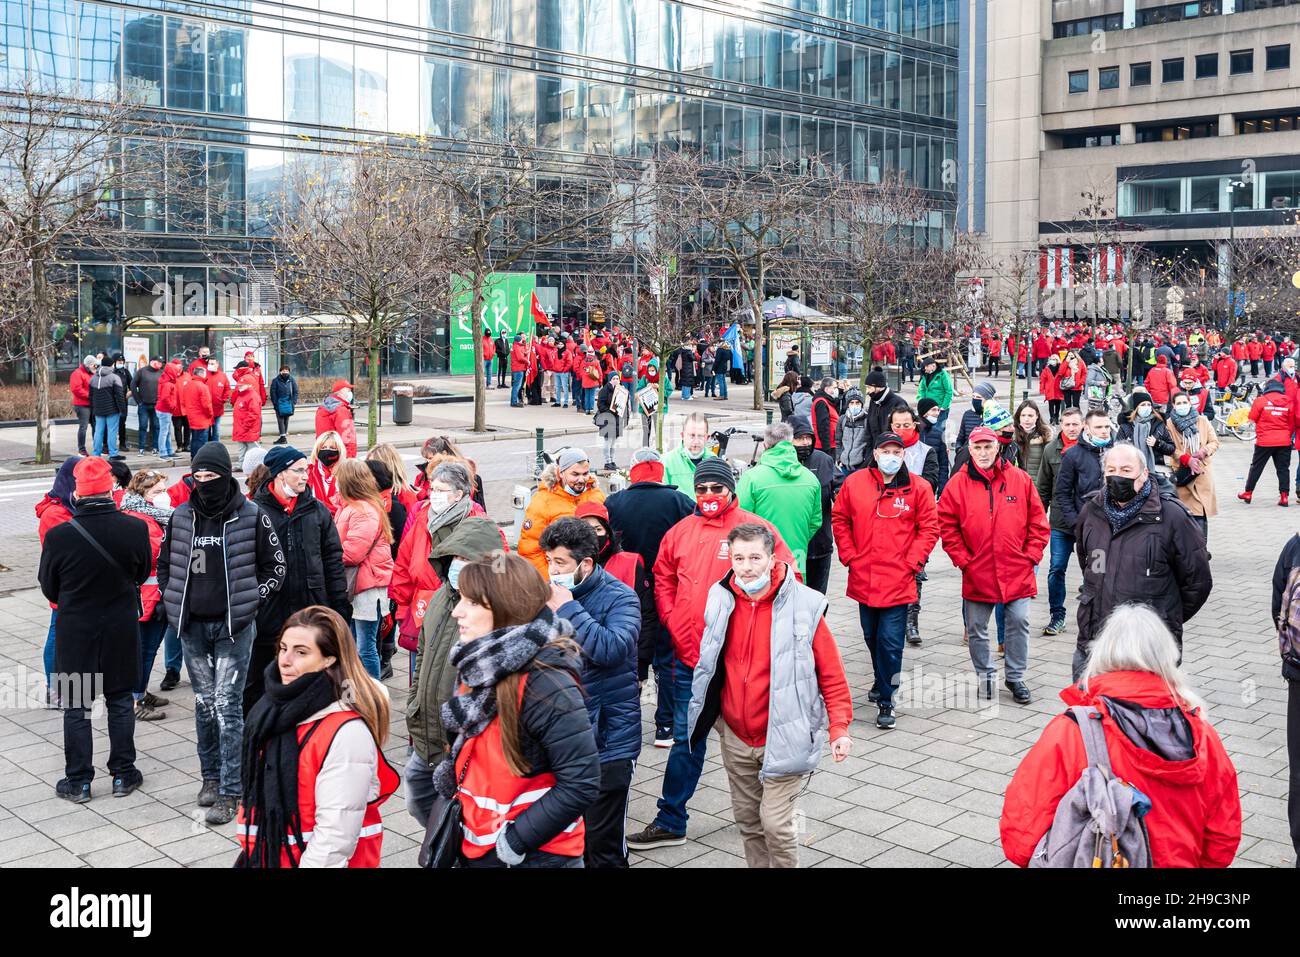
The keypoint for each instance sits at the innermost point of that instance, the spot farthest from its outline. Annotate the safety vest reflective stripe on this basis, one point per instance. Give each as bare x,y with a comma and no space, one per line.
490,839
487,804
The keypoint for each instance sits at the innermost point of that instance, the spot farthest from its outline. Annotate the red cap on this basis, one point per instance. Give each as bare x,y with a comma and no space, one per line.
982,434
94,477
249,354
592,510
340,384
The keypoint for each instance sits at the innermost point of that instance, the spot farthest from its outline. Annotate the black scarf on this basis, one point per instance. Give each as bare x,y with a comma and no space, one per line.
481,665
271,761
1121,515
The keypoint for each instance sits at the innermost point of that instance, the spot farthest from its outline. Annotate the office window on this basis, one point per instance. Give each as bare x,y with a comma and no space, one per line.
1205,194
99,38
1207,66
1281,190
1150,198
1278,57
1171,71
1079,81
1139,74
1241,61
1108,78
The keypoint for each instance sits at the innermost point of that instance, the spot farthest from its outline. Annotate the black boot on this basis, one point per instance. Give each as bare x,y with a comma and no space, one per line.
914,615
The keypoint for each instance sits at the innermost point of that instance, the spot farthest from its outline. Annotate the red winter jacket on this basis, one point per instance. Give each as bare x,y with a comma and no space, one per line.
1274,415
49,512
1161,384
333,415
1042,347
323,485
693,556
519,357
1225,371
220,389
79,385
180,492
1049,383
1253,349
1195,816
884,533
168,397
1239,350
1269,350
246,425
1292,387
994,531
149,594
196,403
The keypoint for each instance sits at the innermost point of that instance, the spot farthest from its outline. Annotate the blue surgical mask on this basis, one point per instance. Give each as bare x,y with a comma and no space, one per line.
564,581
890,464
756,586
1144,412
453,572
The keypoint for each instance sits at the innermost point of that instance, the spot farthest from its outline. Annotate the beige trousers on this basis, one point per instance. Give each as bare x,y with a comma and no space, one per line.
764,810
548,385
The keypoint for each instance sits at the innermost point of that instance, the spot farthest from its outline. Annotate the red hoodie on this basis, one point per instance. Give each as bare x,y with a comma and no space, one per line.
747,659
1195,817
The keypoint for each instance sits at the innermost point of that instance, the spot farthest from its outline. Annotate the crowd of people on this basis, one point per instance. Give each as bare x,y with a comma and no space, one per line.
286,600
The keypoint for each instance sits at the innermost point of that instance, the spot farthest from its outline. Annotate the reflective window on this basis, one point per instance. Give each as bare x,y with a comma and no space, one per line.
226,69
858,169
772,58
186,63
876,79
771,138
624,121
733,135
1205,194
54,43
921,166
549,112
892,70
370,94
859,92
791,54
226,191
950,93
875,155
1150,198
14,16
645,15
142,57
144,200
336,84
99,32
711,136
266,58
1281,190
301,80
844,71
906,157
186,188
790,145
691,113
907,100
670,119
922,88
265,181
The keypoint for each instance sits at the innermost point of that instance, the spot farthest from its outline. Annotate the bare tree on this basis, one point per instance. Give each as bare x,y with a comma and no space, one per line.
68,176
368,243
1018,275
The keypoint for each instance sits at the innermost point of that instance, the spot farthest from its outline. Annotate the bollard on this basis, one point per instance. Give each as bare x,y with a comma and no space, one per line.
540,462
769,416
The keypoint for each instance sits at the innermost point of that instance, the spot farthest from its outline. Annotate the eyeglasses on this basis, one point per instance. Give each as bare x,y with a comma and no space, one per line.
297,471
714,488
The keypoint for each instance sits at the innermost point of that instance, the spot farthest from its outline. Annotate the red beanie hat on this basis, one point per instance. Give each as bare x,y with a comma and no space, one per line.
93,476
592,510
1162,360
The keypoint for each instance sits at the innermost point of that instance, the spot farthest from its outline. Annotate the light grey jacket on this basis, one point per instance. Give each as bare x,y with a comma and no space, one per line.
797,722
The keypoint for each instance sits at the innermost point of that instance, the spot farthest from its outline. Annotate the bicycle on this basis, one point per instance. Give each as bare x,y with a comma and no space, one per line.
1232,412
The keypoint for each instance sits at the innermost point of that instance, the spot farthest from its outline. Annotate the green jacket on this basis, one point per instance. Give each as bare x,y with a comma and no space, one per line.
785,493
679,470
434,675
937,387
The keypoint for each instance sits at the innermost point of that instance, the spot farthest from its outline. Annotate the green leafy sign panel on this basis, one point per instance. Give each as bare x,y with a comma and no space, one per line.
507,298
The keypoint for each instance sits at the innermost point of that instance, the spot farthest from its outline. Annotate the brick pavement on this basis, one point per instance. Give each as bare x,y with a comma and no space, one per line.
927,794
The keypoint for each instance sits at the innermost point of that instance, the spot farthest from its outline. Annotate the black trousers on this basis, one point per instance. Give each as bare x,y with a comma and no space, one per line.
1281,456
78,746
818,576
501,372
1293,760
282,423
1054,410
606,819
181,426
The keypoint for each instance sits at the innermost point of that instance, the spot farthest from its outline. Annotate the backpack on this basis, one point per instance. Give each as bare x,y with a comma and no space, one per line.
1099,820
1288,630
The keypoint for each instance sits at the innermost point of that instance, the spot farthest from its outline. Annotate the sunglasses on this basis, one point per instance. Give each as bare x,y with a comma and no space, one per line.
714,488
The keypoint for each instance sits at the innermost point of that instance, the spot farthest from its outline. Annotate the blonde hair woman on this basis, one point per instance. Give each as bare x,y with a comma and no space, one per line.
366,535
386,453
324,460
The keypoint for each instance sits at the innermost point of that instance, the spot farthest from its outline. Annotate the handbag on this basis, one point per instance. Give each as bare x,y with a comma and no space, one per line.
444,832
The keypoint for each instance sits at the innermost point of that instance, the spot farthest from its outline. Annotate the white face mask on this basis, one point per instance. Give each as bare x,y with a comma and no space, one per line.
932,419
757,585
346,395
161,499
1182,408
890,464
564,581
439,502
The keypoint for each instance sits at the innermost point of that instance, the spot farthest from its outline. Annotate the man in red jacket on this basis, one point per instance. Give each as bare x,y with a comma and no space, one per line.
221,390
692,556
885,525
1225,370
1161,384
196,403
520,355
79,386
1274,415
993,527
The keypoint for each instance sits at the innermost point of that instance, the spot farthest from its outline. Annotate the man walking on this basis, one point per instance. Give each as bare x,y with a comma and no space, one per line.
782,491
680,463
1078,477
1062,541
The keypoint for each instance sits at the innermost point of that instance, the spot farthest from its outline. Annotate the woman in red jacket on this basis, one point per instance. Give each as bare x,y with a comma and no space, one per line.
246,426
1158,742
324,459
147,499
1072,378
1049,383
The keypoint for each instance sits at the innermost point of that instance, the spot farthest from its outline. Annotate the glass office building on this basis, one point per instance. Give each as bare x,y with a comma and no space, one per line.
870,85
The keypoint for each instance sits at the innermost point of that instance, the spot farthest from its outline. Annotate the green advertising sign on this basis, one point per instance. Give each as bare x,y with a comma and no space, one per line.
507,301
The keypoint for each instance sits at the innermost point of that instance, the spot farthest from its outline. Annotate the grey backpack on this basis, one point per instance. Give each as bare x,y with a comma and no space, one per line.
1099,820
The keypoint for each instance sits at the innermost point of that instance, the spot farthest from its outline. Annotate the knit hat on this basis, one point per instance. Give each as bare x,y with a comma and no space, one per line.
876,379
854,394
1162,360
280,457
925,405
982,434
986,390
714,469
91,362
383,477
569,457
996,417
252,459
213,457
802,425
94,477
1137,398
647,466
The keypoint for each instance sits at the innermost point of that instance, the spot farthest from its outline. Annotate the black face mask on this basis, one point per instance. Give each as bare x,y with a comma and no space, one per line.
284,375
210,497
327,457
977,405
804,452
1120,489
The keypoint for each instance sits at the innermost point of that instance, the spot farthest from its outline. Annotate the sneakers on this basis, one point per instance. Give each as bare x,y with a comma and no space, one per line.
885,717
76,793
1020,692
208,793
654,836
1282,499
613,467
1245,496
282,440
223,811
170,680
663,737
1055,627
152,700
126,784
873,695
144,712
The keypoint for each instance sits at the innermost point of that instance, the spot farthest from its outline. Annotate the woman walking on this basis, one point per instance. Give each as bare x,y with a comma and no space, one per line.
1193,473
367,538
1031,436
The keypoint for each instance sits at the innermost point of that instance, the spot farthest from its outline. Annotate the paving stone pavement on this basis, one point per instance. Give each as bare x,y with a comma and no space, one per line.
927,794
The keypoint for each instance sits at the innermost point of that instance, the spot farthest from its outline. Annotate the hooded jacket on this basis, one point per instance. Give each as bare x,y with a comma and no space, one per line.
433,678
1274,415
79,385
781,490
107,394
936,386
693,555
168,394
551,501
606,619
851,449
195,402
246,424
1161,747
885,531
994,530
333,415
679,469
1158,559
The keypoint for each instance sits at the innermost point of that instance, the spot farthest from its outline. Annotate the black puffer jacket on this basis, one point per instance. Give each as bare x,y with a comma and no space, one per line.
1158,559
823,466
1078,477
879,409
107,393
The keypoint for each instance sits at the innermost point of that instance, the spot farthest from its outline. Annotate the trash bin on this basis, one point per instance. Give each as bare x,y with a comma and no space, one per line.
403,401
894,377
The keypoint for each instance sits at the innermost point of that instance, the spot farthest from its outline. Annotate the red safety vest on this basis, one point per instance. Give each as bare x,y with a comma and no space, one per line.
491,795
314,742
625,567
834,422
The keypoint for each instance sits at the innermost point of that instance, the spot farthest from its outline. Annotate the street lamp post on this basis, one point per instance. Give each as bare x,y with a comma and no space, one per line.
1233,185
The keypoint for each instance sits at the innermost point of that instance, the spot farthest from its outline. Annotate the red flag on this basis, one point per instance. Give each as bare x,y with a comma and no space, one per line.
532,366
539,315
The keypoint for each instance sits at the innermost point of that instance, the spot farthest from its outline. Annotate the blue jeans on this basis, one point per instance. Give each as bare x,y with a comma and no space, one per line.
686,391
721,378
367,635
487,373
663,666
884,630
147,425
164,445
589,399
516,386
106,433
218,665
173,654
710,385
48,655
841,370
684,763
151,636
198,439
562,381
1062,546
214,430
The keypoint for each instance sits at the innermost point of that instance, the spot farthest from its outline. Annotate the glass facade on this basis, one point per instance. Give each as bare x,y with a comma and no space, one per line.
867,85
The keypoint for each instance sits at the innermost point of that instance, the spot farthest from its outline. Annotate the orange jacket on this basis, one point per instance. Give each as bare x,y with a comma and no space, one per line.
549,502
